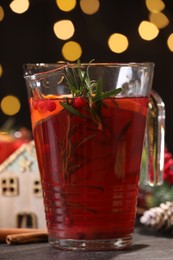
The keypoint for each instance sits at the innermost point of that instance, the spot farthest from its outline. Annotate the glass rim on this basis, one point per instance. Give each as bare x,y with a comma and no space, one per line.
54,67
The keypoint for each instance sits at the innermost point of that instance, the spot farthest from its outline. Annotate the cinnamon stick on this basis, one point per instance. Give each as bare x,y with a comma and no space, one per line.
25,238
4,232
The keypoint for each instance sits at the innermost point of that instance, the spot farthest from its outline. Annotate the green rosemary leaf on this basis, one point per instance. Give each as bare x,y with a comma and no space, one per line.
80,85
71,82
72,110
99,88
80,73
96,115
109,93
69,77
84,140
124,131
76,79
88,76
75,128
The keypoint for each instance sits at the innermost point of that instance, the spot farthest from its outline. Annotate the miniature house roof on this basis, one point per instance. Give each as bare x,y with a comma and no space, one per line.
24,158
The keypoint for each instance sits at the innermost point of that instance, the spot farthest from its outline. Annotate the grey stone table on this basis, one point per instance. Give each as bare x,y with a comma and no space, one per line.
147,245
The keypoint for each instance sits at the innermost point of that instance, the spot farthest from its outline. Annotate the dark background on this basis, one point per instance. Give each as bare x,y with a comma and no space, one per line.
29,38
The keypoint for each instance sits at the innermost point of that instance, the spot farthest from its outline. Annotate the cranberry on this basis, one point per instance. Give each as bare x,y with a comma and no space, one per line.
79,102
35,104
51,105
41,104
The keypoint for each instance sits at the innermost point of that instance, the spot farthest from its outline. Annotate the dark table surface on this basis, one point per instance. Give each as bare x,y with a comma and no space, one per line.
147,245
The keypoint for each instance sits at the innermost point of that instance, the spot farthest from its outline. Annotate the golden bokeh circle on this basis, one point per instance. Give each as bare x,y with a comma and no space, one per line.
159,19
1,13
170,42
89,6
118,43
64,29
148,31
66,5
1,70
71,51
19,6
155,6
10,105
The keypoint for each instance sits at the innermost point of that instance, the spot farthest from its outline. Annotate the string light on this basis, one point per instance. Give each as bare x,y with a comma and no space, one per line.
10,105
155,6
66,5
148,31
19,6
118,43
1,13
71,51
159,19
64,29
1,70
89,6
170,42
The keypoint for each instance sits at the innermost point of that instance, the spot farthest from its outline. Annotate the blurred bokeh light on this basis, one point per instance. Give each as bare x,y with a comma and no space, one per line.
170,42
1,70
10,105
159,19
66,5
89,6
19,6
148,31
1,13
118,43
64,29
155,6
72,51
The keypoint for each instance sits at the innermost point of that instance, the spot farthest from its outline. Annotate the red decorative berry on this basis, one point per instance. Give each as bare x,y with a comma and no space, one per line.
168,167
41,104
79,102
51,105
35,104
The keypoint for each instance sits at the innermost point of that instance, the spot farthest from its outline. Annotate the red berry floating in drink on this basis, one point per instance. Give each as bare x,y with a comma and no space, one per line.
51,105
79,102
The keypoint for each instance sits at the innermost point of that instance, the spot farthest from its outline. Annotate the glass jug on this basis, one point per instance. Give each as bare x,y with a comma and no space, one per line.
89,123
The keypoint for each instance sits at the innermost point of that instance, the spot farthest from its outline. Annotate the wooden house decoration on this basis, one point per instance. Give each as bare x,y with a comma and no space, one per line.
21,201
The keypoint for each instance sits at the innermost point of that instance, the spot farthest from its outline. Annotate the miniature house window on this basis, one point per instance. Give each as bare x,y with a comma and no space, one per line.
9,186
37,189
26,220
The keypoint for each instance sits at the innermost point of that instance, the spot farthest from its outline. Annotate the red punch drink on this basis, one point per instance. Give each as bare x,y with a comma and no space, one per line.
89,123
89,173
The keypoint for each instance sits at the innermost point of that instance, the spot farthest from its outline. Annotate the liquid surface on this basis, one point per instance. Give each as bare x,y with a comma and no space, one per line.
89,175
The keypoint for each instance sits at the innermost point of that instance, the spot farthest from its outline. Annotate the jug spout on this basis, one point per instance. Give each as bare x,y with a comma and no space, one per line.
42,79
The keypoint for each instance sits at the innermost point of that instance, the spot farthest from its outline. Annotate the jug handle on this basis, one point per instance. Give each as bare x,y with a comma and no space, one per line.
154,142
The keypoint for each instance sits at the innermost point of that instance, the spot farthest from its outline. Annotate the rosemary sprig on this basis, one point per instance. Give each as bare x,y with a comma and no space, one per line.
72,110
91,91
